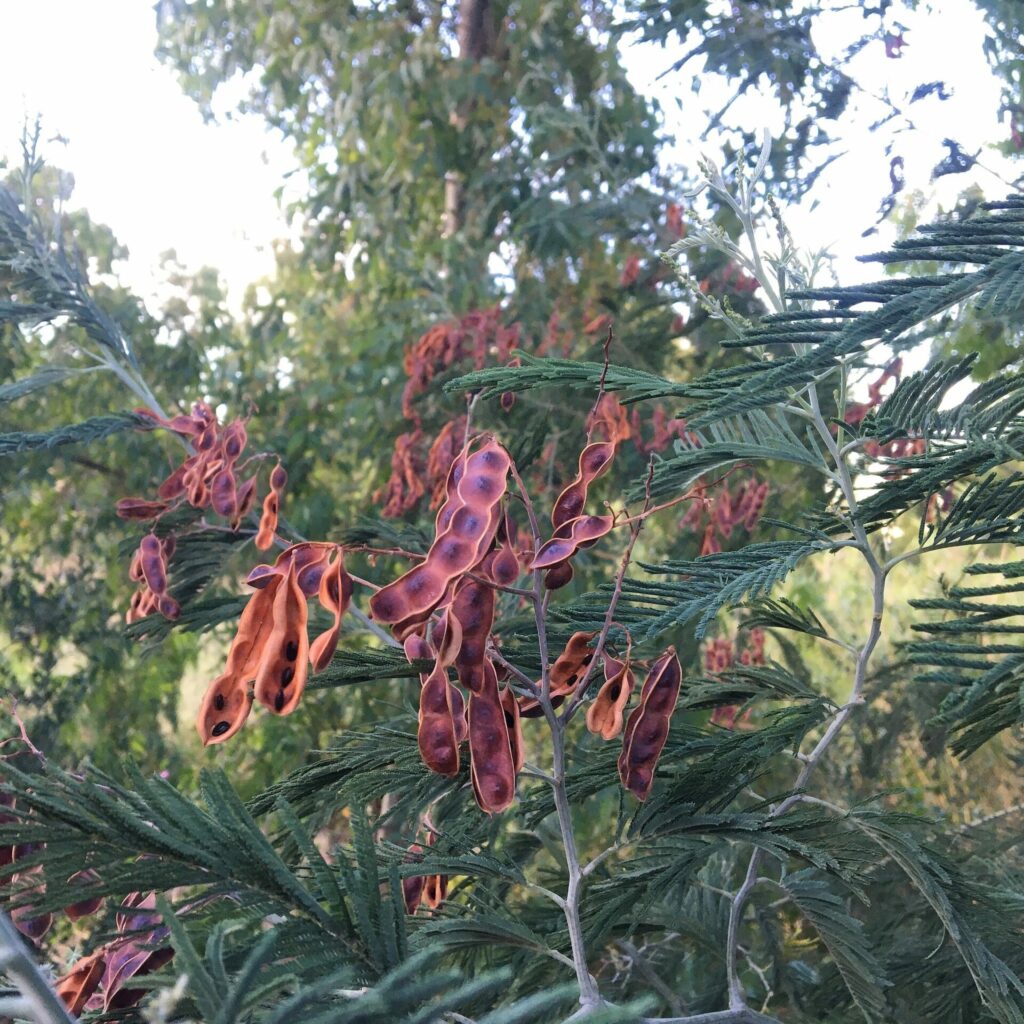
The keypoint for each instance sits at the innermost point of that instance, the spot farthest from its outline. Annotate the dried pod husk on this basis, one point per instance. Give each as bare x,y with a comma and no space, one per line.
606,715
168,607
647,726
458,703
335,594
140,508
131,959
245,499
513,723
268,522
135,568
507,400
565,673
473,607
151,560
224,709
447,638
224,493
438,744
32,925
492,768
78,986
504,566
285,663
435,889
310,566
278,478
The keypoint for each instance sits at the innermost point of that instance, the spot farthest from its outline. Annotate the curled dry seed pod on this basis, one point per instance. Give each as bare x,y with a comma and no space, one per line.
227,702
268,522
81,982
223,493
412,886
447,638
605,715
151,559
473,607
224,709
566,671
578,533
32,925
465,540
491,765
458,703
438,745
594,460
647,726
278,478
285,662
140,508
435,888
510,706
335,594
135,568
245,499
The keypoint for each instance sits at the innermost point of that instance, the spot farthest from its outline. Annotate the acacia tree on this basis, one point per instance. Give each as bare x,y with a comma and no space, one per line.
743,875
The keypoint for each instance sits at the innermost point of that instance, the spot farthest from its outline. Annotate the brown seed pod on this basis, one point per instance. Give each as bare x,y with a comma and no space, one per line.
246,497
438,744
605,715
558,576
471,525
224,709
412,886
81,982
234,440
491,765
510,706
151,560
335,594
268,522
566,672
580,532
285,662
473,607
435,888
140,508
504,566
647,726
224,494
594,461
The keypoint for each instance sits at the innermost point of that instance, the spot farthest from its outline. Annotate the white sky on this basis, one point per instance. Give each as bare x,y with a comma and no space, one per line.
146,164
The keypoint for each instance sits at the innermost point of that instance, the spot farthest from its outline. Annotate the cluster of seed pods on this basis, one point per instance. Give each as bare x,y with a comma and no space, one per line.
721,654
573,529
606,714
647,726
269,659
720,513
29,880
210,477
99,982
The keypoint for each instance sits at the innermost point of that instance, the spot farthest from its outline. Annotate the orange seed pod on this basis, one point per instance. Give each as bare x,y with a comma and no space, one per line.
285,662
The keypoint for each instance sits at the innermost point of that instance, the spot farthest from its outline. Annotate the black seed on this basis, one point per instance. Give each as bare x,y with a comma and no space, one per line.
291,650
218,702
287,676
220,728
279,700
